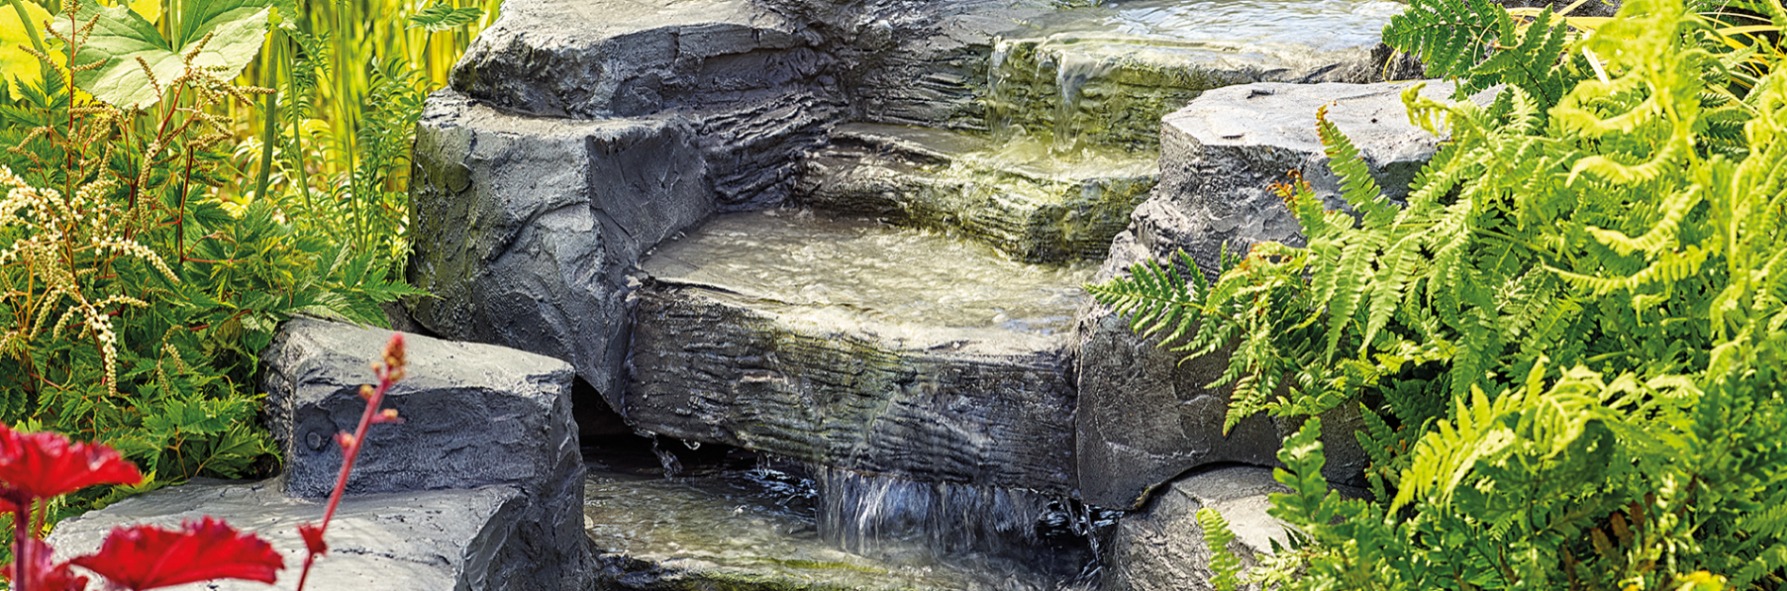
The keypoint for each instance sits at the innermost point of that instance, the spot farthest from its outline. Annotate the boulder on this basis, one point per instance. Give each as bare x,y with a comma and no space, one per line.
527,227
855,345
752,82
629,58
1015,195
1218,157
1161,547
466,539
474,416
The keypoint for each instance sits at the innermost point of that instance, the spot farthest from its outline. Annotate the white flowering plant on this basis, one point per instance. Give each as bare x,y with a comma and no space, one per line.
133,304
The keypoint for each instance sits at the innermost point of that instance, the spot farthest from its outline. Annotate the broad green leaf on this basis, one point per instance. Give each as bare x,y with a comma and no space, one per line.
236,30
439,16
18,66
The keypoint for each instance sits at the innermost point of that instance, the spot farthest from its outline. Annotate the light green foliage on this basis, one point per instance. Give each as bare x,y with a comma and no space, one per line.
441,16
1567,342
1225,567
218,35
133,304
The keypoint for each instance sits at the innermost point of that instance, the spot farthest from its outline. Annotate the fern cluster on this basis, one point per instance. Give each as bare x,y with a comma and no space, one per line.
1567,343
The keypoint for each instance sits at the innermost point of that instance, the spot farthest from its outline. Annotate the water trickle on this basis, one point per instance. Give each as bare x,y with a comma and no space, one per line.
885,516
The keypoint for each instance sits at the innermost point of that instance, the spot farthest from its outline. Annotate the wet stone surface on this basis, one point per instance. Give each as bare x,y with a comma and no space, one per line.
1025,198
857,345
737,523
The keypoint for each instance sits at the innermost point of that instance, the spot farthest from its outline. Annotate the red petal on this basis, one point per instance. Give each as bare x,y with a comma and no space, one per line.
313,538
44,573
48,465
148,557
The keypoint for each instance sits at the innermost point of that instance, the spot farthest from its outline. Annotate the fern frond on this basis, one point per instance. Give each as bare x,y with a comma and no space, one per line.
1225,567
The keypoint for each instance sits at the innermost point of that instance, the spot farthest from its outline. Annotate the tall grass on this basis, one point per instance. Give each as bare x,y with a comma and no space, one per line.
334,141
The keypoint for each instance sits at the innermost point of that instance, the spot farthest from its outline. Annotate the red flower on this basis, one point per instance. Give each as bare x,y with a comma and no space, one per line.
47,465
148,557
45,574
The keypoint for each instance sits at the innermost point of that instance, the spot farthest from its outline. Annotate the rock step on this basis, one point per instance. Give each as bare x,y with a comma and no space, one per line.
1030,203
628,58
442,539
754,531
750,83
851,344
1144,416
1106,74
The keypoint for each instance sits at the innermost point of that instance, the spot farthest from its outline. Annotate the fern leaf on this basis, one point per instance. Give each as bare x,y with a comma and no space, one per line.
1225,567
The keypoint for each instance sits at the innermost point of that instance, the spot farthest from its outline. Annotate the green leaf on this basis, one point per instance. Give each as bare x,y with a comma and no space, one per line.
226,35
438,16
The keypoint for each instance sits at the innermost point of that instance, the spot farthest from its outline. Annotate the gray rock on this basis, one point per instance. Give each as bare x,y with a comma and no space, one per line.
630,58
859,346
1221,153
1015,195
1218,157
473,416
423,541
1161,548
752,82
527,227
1105,74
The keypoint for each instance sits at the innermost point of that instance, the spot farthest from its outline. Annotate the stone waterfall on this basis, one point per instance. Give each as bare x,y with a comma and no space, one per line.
827,259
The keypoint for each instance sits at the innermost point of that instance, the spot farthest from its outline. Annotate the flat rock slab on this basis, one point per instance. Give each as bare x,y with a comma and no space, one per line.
1161,548
634,57
527,226
473,416
857,345
722,532
1017,195
1219,155
431,540
1106,74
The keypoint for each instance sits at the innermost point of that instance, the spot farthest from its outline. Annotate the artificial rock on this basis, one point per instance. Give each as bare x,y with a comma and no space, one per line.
1162,548
474,416
822,340
1016,196
529,226
463,540
1219,156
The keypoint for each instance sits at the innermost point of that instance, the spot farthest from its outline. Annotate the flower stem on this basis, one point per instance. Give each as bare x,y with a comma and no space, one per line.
21,537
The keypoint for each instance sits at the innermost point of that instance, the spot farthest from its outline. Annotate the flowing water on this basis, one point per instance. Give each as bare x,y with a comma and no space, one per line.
729,519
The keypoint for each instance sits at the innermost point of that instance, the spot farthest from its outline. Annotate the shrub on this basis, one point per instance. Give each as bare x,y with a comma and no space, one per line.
1567,343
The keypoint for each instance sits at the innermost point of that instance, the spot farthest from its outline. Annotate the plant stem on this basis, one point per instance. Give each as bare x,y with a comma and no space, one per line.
269,131
350,452
21,536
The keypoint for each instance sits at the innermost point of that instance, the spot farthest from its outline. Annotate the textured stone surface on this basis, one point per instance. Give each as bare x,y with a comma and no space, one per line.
527,227
474,416
635,57
432,540
1015,195
1218,156
858,346
1106,74
753,83
1161,548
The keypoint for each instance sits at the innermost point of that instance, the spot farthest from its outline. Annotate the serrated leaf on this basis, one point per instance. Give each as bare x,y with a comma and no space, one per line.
230,33
438,16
